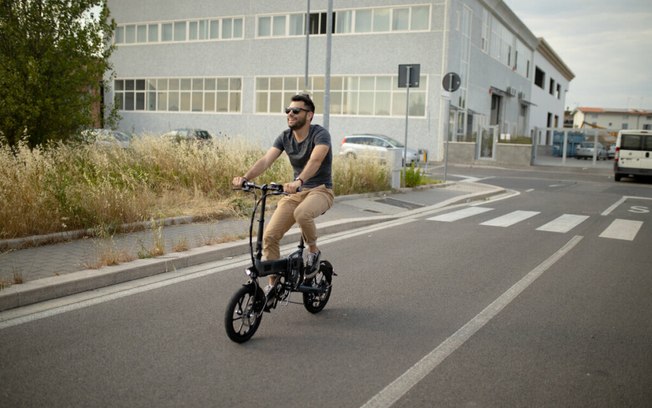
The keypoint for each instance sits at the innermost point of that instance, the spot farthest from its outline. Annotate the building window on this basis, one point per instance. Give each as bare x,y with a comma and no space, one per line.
362,21
179,94
558,92
318,23
539,77
181,31
350,95
551,89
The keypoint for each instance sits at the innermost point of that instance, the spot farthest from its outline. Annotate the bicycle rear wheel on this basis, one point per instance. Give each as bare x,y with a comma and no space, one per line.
244,313
314,302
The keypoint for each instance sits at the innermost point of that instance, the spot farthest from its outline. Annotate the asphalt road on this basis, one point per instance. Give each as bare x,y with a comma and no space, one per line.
501,308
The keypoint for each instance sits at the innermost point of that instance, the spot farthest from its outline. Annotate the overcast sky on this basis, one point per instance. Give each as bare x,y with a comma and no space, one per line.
606,43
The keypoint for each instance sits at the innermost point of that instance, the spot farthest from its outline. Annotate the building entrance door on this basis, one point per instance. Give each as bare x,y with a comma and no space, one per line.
487,142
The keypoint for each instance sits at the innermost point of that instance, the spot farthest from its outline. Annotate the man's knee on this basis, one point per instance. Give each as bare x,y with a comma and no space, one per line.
302,216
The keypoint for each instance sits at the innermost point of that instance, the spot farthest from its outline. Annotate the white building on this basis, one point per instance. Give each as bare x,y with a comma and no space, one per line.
551,81
231,66
615,119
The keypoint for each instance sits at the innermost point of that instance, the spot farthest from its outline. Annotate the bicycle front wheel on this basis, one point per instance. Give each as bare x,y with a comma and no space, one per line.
244,313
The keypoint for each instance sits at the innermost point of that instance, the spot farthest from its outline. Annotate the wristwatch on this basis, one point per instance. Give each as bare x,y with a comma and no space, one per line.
299,179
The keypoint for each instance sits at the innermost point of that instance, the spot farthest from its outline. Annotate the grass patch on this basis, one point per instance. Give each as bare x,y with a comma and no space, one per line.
415,176
65,187
16,279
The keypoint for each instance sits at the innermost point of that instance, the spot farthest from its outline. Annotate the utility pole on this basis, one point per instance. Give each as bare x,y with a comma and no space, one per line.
305,79
327,91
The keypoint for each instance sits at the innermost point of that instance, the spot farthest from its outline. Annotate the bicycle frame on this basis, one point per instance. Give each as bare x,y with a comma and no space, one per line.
259,267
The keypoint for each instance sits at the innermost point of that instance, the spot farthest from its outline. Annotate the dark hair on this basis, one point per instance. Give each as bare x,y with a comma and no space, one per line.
305,98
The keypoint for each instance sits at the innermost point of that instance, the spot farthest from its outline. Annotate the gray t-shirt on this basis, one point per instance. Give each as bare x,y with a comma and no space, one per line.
299,153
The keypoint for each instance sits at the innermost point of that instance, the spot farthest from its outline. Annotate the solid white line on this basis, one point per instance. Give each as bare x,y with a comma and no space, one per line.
614,205
399,387
459,214
622,229
511,218
26,314
563,223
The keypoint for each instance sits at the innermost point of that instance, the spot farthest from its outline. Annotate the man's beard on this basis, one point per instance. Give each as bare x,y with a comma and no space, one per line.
298,123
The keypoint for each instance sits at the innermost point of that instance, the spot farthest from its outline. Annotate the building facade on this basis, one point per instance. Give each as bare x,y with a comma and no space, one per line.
231,67
551,81
615,119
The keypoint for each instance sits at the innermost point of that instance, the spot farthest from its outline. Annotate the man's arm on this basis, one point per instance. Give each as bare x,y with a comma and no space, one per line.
317,157
259,167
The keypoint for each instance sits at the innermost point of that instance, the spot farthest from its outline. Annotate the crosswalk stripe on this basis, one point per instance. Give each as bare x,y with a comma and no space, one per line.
622,229
511,218
563,223
460,214
618,229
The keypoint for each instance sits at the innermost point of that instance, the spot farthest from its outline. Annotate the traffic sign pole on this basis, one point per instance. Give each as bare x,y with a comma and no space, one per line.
451,83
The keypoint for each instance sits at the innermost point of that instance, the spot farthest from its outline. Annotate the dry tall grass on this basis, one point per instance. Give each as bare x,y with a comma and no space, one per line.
71,187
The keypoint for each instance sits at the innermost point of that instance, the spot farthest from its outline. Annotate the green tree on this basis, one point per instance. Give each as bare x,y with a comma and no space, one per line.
53,59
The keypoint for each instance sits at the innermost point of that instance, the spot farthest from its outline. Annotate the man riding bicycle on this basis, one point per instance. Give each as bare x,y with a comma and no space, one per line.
310,194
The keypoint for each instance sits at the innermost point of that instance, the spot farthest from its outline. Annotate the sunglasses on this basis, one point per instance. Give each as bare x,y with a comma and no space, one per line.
295,110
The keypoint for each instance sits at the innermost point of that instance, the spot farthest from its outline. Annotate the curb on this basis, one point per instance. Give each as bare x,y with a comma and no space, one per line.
73,283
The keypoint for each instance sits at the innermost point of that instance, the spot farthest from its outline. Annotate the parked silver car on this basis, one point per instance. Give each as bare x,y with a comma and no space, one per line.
107,137
180,135
585,151
374,146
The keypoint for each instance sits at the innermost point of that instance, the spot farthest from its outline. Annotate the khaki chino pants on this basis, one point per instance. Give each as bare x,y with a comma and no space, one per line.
302,207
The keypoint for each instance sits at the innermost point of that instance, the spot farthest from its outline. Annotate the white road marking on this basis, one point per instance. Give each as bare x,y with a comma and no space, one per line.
614,205
511,218
460,214
399,387
622,229
563,223
622,200
42,310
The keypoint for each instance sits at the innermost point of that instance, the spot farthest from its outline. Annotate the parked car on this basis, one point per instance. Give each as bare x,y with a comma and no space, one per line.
180,135
585,151
375,146
107,137
611,153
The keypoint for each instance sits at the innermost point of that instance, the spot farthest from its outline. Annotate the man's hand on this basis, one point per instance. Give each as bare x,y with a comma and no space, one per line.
292,187
238,182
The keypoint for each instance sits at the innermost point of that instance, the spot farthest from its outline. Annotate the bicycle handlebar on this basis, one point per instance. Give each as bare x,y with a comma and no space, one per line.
276,188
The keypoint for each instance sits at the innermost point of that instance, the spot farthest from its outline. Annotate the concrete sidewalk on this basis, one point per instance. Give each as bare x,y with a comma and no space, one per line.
62,269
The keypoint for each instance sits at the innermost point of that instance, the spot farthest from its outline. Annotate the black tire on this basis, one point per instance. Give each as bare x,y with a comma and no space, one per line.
315,302
617,177
244,313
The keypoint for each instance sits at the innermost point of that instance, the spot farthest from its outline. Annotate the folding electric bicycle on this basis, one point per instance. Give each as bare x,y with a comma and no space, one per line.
246,307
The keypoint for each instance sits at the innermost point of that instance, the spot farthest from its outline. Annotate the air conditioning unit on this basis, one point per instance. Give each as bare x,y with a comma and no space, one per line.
521,95
511,91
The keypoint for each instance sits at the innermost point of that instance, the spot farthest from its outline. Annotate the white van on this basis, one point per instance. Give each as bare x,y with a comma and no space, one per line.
633,154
